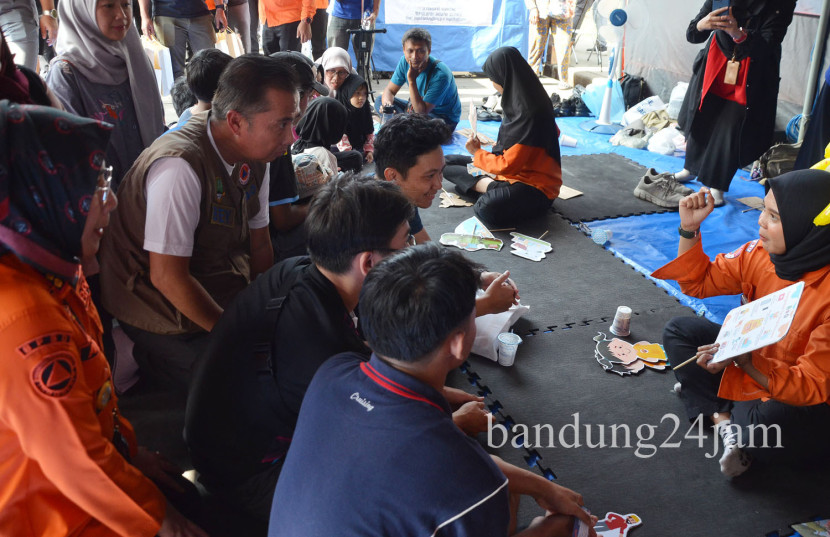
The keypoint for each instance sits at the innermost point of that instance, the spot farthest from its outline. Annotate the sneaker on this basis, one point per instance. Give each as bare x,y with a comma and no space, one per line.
675,184
734,461
659,191
492,101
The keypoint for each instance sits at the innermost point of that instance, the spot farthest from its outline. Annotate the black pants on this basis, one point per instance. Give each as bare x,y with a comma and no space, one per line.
280,38
253,9
504,204
319,26
805,431
818,132
166,359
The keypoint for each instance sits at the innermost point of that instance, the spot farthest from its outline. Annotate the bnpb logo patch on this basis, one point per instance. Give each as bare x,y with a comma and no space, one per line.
55,375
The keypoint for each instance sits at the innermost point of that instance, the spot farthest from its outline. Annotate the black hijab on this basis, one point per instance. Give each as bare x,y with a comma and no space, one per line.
528,112
360,124
49,166
322,125
801,196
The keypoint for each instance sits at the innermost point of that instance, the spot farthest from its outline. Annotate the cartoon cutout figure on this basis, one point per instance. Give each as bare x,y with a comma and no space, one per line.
616,525
623,358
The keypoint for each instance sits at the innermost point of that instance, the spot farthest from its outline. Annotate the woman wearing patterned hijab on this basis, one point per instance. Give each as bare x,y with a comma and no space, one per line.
102,72
785,384
70,463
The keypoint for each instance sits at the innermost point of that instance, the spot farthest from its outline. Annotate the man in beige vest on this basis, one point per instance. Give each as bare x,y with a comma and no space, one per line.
191,229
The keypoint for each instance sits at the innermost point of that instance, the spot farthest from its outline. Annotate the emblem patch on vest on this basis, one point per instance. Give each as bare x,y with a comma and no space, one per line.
220,189
244,174
221,215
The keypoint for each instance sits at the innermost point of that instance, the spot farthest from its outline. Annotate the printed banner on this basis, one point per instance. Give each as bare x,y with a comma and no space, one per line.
439,12
808,7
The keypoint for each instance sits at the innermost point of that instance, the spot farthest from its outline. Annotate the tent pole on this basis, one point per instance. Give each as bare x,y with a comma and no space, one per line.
815,67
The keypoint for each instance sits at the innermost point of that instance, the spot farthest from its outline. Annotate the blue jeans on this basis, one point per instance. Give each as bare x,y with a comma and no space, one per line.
402,107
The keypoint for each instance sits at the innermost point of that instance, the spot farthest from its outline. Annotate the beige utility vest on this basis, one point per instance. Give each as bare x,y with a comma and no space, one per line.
221,253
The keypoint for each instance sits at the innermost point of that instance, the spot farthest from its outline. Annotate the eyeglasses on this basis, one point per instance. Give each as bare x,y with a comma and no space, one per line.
104,183
410,241
337,74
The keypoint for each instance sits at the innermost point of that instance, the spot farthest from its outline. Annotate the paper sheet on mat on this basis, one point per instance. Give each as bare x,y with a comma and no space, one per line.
488,328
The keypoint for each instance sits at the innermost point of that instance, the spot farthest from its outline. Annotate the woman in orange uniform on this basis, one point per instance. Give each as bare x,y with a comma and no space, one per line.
525,160
785,385
64,447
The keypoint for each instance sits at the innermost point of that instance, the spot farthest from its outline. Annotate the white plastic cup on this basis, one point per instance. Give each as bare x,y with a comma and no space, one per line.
508,345
622,322
567,141
601,236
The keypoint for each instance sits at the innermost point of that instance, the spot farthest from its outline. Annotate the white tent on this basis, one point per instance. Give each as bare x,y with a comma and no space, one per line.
660,53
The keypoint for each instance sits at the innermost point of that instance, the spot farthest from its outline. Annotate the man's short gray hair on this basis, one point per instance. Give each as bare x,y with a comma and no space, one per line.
245,82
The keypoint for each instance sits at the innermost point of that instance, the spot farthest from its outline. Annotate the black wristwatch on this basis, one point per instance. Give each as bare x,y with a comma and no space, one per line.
220,6
308,20
688,234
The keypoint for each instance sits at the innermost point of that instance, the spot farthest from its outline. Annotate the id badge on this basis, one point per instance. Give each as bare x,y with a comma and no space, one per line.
731,76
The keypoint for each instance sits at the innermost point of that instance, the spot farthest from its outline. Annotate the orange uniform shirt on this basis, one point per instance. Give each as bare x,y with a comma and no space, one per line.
60,473
524,164
277,12
798,366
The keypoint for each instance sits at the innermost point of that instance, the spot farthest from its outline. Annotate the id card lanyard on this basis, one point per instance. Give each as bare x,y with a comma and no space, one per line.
732,68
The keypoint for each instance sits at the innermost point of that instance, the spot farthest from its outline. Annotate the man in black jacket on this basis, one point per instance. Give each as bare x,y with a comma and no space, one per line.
268,344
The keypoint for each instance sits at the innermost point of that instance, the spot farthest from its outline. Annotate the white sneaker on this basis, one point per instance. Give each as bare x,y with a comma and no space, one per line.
734,461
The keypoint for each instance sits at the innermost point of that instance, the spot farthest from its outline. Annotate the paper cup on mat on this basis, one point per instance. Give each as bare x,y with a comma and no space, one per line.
622,322
508,345
567,141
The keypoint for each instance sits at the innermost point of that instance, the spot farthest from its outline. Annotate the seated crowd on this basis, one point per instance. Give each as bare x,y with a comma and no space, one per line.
258,267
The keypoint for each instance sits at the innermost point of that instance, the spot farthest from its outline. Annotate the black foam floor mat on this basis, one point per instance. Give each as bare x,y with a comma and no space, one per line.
607,182
675,490
577,281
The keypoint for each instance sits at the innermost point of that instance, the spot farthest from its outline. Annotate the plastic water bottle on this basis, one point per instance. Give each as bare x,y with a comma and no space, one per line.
366,23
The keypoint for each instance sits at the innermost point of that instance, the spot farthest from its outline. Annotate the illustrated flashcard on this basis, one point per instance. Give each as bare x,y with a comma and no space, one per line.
448,199
482,138
473,226
760,323
616,525
816,528
471,243
623,358
528,247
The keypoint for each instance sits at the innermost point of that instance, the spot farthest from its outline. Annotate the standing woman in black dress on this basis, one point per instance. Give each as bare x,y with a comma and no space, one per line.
728,114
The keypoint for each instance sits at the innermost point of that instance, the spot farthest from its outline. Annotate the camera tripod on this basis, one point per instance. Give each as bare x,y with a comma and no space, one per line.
363,43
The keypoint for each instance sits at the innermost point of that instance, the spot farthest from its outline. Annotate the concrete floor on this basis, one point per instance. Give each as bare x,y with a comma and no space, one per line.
583,70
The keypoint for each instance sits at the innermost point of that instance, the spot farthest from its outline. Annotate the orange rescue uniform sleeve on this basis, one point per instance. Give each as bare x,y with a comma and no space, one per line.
798,366
46,403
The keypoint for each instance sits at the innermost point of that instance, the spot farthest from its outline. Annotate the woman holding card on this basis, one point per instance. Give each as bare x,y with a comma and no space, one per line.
525,163
782,387
728,114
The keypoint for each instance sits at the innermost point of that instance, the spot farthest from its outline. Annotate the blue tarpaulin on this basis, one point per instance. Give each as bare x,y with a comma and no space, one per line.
647,242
